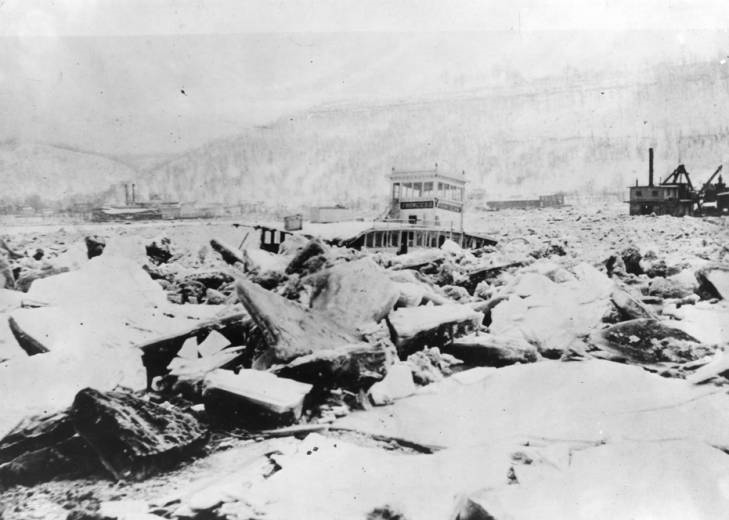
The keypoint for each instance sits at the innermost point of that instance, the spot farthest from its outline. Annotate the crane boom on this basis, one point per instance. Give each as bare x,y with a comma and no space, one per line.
707,183
677,176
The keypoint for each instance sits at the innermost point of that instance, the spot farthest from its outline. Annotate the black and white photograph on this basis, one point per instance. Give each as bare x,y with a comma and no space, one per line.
364,260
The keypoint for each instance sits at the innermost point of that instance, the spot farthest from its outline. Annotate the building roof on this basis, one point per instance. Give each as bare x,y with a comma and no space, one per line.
656,186
342,230
404,175
338,206
125,210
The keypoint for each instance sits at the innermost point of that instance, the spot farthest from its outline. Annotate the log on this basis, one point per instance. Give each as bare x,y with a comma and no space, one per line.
230,254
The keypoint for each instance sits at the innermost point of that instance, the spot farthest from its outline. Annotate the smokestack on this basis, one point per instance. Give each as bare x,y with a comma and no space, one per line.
134,198
126,194
650,166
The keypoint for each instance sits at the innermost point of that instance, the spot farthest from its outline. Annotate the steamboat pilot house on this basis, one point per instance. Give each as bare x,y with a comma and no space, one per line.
428,198
425,210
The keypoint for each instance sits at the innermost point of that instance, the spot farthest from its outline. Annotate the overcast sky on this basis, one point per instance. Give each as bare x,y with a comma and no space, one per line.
146,76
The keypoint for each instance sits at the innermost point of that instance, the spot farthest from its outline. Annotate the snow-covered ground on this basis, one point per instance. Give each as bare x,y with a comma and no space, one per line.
611,421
